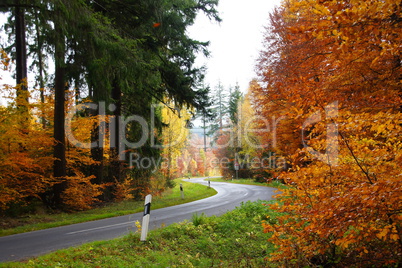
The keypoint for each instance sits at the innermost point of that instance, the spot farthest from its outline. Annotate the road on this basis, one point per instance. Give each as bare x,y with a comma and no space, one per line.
26,245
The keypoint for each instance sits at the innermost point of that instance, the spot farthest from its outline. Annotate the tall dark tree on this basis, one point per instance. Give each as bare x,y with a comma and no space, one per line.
68,17
39,61
205,111
59,168
17,9
156,63
20,49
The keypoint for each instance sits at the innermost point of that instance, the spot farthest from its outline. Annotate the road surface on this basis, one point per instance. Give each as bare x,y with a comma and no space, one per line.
26,245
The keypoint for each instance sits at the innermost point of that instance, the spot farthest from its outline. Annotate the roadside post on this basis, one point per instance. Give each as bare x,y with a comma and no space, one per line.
181,191
145,218
236,166
209,183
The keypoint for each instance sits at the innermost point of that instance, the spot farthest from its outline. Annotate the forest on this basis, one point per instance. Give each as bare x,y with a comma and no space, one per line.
108,81
323,116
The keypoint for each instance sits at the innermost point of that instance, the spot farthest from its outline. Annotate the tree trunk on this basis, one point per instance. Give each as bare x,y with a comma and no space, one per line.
59,166
21,71
98,138
205,134
97,151
116,164
21,52
39,40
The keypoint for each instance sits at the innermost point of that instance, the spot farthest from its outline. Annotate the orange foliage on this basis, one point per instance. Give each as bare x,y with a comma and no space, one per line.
223,153
80,193
332,71
25,158
349,211
123,190
26,154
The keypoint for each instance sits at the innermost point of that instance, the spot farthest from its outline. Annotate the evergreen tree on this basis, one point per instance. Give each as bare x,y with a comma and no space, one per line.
234,101
131,54
220,112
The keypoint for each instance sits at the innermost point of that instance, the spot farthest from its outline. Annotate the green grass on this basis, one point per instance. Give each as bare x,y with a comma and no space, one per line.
274,183
171,197
236,239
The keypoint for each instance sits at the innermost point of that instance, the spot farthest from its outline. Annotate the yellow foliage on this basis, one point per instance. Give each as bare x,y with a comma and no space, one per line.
5,60
174,135
334,72
25,158
26,151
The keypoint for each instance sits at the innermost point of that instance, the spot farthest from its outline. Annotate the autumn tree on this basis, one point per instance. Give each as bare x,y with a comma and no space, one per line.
254,156
331,70
123,56
26,174
175,135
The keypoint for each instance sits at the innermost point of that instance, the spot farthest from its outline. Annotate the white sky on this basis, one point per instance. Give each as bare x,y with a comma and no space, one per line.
235,42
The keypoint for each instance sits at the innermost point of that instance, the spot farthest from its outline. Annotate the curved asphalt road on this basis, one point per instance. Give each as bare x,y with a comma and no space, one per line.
23,246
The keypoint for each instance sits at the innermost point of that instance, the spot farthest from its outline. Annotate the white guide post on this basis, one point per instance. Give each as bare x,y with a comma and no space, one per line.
145,218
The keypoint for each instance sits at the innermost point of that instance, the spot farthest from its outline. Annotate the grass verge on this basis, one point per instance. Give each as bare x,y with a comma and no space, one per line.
235,239
32,222
274,183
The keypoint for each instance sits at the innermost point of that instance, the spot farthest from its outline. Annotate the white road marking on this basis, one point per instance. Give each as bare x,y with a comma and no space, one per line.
99,228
